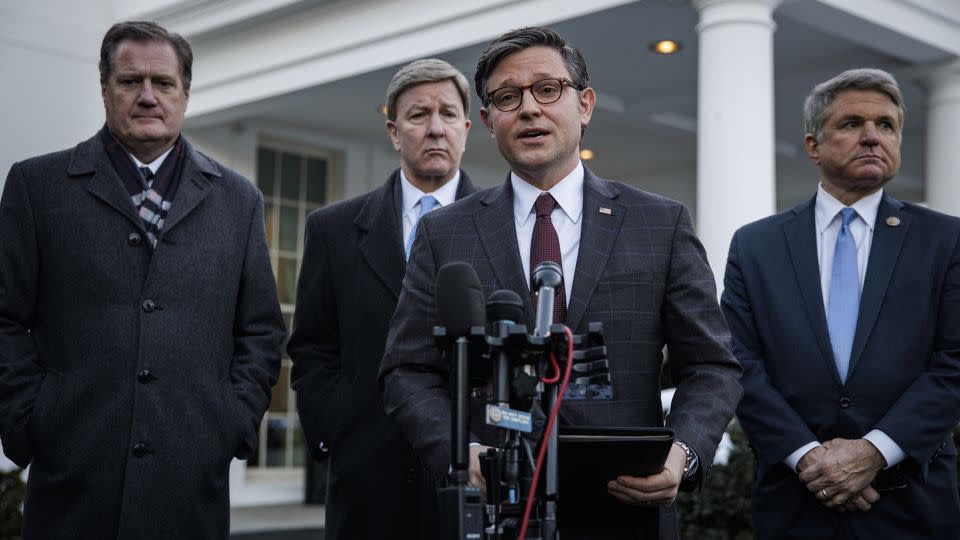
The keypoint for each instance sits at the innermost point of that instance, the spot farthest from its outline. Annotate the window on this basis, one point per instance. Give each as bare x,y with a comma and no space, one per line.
294,181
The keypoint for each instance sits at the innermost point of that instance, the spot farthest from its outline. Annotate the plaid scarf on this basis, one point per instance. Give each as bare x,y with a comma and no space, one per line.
151,194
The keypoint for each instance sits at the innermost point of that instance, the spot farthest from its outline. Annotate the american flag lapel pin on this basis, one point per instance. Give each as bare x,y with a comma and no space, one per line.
606,211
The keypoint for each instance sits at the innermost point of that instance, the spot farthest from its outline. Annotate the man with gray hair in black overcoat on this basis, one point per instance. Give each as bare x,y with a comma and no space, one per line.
140,327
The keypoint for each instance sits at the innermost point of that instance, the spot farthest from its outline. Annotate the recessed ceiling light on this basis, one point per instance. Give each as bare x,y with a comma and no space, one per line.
586,154
665,46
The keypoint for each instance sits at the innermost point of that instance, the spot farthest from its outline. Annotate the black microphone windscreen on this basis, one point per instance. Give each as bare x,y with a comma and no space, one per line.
547,274
504,305
459,299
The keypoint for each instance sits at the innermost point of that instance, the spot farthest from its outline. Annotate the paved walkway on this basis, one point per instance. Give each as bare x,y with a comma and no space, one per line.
281,522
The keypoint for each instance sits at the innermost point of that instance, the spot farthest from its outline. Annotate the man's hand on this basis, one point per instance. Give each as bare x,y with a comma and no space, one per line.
476,477
841,473
811,457
660,488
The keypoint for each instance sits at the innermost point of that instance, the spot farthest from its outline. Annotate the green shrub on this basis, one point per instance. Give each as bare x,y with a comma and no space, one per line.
721,509
12,492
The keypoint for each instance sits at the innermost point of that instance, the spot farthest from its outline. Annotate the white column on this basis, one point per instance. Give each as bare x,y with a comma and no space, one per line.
942,158
735,139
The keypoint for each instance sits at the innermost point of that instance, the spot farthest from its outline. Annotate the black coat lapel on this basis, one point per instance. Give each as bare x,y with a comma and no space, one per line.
193,188
597,237
496,227
884,253
381,242
800,234
90,157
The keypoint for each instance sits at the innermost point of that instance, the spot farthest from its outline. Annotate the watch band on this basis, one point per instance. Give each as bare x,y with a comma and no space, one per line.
690,468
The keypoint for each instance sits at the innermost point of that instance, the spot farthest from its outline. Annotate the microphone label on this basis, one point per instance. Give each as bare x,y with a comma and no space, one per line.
505,418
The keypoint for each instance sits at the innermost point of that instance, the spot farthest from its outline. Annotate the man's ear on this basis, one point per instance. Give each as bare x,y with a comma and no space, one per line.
813,147
394,134
487,121
588,99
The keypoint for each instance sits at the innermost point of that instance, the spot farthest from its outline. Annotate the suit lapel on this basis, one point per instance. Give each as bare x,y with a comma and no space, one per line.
381,242
495,223
884,253
193,188
597,237
800,233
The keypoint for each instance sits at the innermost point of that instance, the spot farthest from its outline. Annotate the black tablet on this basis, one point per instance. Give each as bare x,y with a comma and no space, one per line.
589,457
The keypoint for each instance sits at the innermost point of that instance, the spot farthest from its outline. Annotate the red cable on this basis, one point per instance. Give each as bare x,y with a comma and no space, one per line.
550,422
556,371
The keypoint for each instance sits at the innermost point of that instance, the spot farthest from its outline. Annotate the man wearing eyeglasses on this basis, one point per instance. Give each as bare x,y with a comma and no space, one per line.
629,259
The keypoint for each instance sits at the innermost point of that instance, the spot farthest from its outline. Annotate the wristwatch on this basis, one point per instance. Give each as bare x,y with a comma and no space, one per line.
690,468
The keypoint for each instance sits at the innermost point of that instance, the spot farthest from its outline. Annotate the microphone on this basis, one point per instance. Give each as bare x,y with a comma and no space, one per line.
459,307
547,279
504,309
459,299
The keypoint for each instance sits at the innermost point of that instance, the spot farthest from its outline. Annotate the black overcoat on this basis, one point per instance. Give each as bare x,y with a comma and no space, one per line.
352,269
130,377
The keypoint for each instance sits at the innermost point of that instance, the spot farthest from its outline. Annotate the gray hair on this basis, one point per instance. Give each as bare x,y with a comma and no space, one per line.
819,99
141,32
427,70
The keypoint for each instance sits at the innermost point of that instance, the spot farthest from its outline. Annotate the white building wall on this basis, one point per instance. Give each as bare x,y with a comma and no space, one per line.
50,96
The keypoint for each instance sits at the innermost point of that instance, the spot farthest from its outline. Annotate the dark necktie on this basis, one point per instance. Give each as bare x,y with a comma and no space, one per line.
545,246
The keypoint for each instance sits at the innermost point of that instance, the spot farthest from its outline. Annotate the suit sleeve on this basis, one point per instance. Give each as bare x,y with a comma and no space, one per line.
315,342
413,374
774,428
926,414
703,367
258,332
20,374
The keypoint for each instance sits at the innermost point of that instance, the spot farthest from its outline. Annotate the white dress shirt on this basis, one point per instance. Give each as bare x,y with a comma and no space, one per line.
568,193
827,218
153,165
410,208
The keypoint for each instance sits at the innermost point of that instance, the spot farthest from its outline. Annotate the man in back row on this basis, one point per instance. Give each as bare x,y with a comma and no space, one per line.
353,264
629,259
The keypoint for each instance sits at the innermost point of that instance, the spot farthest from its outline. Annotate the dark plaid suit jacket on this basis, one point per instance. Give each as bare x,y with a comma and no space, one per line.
641,272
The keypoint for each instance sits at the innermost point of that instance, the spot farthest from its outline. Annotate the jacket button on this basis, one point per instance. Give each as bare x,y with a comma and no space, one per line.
139,450
148,306
844,403
134,239
144,376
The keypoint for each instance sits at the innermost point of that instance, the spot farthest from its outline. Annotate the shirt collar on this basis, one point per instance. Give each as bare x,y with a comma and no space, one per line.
568,193
153,165
446,194
827,207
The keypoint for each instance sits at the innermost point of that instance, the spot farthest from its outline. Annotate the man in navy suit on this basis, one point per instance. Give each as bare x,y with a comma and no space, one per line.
629,259
845,313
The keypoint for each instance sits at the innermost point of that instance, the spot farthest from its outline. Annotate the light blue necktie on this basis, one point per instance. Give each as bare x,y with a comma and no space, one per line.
427,203
844,295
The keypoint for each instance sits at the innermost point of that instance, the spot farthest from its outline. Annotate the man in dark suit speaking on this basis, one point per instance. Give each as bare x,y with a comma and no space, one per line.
140,328
353,266
845,313
629,259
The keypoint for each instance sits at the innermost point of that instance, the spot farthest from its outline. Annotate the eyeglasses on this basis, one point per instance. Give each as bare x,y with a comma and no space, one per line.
544,91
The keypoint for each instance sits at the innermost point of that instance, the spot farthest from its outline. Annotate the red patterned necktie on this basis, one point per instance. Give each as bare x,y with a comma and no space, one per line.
545,246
